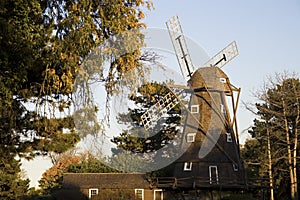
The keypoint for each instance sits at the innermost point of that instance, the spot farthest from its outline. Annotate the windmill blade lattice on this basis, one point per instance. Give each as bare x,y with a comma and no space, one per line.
164,105
180,47
223,57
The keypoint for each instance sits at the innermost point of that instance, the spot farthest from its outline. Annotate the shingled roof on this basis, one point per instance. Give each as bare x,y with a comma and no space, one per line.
105,180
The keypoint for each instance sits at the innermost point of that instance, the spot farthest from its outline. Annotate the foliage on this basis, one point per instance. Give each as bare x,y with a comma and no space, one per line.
254,153
52,178
12,185
139,149
42,47
90,164
139,140
67,163
278,121
128,162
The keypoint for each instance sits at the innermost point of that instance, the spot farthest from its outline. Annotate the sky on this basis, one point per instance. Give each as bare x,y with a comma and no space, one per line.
267,35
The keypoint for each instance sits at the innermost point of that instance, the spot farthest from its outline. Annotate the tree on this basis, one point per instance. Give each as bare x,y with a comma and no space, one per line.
142,141
255,154
136,140
23,132
42,47
51,180
90,164
147,95
12,185
279,112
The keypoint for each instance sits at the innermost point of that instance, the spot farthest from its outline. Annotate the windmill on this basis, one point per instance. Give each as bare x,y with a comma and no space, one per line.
209,140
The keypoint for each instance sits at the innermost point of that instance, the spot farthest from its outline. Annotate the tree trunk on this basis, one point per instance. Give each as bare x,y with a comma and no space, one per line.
295,165
290,163
296,141
270,167
288,142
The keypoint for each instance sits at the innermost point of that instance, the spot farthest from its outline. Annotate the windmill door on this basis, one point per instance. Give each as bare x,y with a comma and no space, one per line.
213,175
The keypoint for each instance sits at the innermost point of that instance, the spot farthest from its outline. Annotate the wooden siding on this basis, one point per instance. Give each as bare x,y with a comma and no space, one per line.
211,125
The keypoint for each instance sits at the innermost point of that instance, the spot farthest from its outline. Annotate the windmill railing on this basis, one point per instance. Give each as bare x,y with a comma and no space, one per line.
199,182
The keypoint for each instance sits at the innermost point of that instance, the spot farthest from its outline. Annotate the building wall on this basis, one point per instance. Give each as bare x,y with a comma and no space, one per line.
118,194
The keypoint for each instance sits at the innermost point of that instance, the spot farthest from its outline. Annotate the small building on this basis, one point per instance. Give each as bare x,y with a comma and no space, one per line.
110,186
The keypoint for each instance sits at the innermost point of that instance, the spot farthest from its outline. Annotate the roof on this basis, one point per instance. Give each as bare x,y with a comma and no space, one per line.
105,180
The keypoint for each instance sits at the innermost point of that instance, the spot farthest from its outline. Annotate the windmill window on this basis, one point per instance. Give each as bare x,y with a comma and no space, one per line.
229,138
93,192
188,166
194,108
213,175
235,167
190,137
139,194
223,80
222,108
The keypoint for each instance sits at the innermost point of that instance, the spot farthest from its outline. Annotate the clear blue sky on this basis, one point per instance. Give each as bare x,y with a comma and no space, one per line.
267,34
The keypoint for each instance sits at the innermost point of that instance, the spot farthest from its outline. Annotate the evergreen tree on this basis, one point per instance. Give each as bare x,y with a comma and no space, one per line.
142,141
42,47
276,134
12,185
89,164
136,140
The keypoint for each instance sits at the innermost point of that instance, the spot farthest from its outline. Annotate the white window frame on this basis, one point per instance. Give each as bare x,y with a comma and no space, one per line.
161,195
210,173
190,137
135,193
223,80
91,190
235,167
195,108
187,166
228,137
222,108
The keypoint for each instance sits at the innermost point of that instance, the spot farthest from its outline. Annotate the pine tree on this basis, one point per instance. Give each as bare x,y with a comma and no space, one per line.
141,141
12,185
278,123
136,140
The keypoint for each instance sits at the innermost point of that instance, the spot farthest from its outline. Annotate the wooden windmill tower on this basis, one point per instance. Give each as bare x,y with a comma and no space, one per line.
209,141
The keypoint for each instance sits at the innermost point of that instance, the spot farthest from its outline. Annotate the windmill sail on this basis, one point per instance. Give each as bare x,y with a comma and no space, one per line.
154,113
164,105
180,47
223,57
